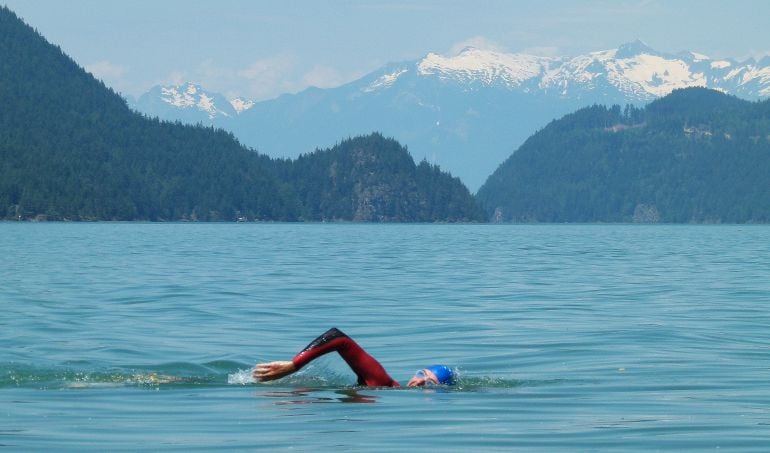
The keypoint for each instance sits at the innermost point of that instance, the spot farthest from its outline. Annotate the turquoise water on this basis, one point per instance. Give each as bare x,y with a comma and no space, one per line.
566,337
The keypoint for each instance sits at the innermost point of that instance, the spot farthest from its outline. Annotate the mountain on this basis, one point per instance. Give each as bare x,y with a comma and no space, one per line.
374,179
695,155
189,103
71,149
468,112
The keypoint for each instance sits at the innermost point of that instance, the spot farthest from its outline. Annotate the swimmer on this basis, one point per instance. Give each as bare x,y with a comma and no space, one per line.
367,368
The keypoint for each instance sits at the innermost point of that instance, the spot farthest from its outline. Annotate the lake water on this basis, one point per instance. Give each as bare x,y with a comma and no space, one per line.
566,337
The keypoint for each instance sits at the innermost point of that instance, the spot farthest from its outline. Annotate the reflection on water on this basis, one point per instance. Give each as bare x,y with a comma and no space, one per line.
308,396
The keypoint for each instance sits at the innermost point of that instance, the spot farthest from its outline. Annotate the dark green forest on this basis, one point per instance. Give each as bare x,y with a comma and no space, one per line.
350,181
696,155
70,149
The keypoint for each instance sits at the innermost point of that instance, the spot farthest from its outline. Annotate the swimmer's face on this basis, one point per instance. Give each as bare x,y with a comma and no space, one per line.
423,377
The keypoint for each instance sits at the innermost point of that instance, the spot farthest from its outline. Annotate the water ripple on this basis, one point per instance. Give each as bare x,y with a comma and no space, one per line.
566,337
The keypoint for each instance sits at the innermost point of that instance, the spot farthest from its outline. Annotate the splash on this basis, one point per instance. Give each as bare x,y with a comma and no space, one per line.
489,382
218,373
315,377
163,375
241,377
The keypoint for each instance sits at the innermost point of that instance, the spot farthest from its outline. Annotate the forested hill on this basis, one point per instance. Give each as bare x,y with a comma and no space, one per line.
696,155
375,179
71,149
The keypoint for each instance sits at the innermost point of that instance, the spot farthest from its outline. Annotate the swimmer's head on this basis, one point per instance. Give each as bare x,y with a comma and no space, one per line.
433,375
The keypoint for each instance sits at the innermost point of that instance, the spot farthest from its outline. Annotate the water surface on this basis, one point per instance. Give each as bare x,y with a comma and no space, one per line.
566,337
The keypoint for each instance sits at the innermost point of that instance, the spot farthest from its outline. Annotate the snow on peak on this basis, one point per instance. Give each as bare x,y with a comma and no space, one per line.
699,57
241,105
179,96
759,75
385,81
632,68
486,66
206,104
656,75
190,95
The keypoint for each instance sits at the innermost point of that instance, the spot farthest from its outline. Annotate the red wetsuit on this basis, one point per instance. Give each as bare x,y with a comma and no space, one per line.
366,367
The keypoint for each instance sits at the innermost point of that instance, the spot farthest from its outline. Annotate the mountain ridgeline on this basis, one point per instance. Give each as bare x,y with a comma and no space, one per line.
465,112
696,155
352,182
71,149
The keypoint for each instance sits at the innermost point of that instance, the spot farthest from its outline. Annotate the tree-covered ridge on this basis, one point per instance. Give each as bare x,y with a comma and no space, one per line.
696,155
375,179
70,149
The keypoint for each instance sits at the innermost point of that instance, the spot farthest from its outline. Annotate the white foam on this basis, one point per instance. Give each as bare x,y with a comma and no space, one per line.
241,377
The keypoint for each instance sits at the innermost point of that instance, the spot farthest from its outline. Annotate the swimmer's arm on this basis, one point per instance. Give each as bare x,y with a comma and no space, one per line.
273,370
368,370
318,347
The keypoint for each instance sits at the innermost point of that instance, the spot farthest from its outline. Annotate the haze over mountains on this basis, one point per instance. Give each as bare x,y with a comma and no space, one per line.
71,149
693,156
466,113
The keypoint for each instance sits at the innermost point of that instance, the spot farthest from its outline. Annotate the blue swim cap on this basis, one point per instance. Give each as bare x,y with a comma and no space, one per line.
443,373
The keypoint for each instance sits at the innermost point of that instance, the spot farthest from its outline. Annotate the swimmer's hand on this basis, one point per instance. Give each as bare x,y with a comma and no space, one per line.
273,370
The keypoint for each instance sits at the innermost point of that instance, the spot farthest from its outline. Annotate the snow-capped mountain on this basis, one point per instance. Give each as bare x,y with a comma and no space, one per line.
633,70
474,66
190,102
466,112
241,105
643,74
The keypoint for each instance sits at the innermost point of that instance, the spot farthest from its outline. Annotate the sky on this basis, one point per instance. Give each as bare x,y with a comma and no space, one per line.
259,49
